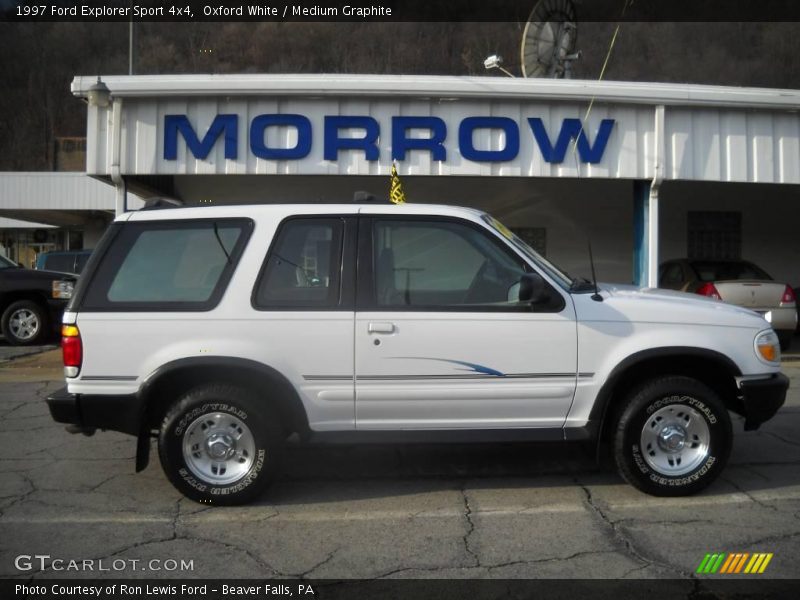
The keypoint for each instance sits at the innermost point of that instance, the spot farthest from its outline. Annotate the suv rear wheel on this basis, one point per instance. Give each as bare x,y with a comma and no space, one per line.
24,322
673,437
220,444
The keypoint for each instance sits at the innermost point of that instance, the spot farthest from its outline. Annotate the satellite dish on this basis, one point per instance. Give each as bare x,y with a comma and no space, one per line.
549,38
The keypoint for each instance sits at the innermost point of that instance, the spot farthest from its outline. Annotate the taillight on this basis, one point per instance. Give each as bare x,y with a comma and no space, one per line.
788,296
72,349
708,289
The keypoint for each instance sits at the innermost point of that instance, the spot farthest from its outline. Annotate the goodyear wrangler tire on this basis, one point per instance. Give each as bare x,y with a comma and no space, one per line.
220,444
673,437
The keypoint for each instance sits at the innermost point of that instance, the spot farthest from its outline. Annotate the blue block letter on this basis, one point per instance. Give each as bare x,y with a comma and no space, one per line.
434,144
368,143
259,147
200,149
468,127
571,129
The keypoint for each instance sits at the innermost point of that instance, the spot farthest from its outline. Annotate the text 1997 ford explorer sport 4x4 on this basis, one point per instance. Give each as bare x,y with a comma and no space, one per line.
223,330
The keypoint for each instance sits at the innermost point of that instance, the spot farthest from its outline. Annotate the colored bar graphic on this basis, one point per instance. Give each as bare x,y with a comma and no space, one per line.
740,564
766,562
727,564
754,563
734,563
703,563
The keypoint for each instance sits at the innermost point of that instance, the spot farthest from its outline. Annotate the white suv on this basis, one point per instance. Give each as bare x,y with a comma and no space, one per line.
224,330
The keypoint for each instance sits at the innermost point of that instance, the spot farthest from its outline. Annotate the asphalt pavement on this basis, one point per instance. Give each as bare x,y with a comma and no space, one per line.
481,511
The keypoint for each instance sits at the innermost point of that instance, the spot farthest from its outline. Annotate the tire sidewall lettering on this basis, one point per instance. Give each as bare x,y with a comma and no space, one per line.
695,403
636,453
193,414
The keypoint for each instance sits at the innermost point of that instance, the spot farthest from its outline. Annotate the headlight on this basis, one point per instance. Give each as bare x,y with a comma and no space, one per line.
768,347
63,289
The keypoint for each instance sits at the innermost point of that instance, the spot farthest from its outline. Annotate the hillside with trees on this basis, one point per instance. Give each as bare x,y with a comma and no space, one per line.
40,59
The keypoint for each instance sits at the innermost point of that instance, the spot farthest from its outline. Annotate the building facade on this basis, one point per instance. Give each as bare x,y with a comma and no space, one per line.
646,172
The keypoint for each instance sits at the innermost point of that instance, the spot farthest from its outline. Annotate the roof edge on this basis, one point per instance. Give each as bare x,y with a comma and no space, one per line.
442,88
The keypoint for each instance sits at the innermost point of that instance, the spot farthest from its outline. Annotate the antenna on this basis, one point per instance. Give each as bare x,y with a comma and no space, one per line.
596,296
549,38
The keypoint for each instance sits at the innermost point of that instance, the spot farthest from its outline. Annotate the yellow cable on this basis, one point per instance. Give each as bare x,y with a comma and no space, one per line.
602,73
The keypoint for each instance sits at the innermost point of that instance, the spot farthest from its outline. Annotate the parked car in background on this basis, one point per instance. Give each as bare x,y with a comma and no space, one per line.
31,302
63,261
737,282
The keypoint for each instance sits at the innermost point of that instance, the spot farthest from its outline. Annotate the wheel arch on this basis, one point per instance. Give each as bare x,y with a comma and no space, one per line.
10,298
162,387
710,367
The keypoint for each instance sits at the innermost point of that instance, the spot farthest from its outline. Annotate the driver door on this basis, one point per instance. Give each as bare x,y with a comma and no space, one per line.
441,341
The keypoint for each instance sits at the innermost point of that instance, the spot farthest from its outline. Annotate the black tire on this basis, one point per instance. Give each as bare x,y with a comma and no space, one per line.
643,457
227,408
785,339
35,317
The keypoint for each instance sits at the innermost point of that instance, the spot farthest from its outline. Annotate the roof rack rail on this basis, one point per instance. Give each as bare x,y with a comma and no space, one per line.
162,202
362,197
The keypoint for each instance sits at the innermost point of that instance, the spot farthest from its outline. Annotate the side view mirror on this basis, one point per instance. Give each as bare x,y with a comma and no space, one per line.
531,288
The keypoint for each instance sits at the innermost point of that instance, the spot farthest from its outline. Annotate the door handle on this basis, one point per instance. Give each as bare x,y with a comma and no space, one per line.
377,327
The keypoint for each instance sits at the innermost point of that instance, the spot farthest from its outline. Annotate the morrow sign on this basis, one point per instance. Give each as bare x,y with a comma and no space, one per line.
226,127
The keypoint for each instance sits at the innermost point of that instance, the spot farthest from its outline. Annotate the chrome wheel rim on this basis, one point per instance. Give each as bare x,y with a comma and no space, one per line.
24,324
675,440
218,448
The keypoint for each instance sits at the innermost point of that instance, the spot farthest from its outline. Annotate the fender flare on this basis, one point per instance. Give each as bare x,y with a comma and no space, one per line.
290,404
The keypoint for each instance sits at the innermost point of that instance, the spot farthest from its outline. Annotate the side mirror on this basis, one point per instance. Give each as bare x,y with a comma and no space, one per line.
531,288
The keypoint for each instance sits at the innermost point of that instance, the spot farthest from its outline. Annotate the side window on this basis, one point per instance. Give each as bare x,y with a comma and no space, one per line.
304,265
441,264
168,265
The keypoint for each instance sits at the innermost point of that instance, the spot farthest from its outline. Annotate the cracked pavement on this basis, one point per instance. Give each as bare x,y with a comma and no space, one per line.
481,511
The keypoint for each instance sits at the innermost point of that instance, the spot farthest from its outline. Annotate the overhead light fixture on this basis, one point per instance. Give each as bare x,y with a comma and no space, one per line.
99,94
496,62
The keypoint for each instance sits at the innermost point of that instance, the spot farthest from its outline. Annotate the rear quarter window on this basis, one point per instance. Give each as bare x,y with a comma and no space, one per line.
168,265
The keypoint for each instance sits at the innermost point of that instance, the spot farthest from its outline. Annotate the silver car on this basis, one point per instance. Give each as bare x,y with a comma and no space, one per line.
736,282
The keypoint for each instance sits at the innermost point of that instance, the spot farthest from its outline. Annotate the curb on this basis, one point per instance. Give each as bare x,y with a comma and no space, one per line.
27,352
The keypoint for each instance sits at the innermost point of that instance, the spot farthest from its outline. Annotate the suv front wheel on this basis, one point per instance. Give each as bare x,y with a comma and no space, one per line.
673,437
220,444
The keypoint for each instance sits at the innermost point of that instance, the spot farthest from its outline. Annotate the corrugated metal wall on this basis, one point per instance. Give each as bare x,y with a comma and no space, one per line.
702,143
54,191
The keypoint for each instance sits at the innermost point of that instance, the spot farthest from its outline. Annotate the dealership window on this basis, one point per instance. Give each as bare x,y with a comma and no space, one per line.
714,234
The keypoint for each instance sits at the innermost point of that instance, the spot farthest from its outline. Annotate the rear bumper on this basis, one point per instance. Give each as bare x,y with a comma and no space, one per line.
784,319
761,399
117,413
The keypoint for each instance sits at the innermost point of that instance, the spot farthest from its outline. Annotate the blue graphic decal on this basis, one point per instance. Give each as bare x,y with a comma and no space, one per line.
471,367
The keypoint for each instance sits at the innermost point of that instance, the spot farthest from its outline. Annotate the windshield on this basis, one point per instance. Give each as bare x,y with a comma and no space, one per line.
6,264
559,275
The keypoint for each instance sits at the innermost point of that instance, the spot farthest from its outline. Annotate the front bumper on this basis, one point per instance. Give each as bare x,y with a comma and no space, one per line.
761,399
117,413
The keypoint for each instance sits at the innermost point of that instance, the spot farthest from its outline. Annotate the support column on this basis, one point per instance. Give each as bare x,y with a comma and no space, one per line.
641,219
652,237
645,210
645,234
